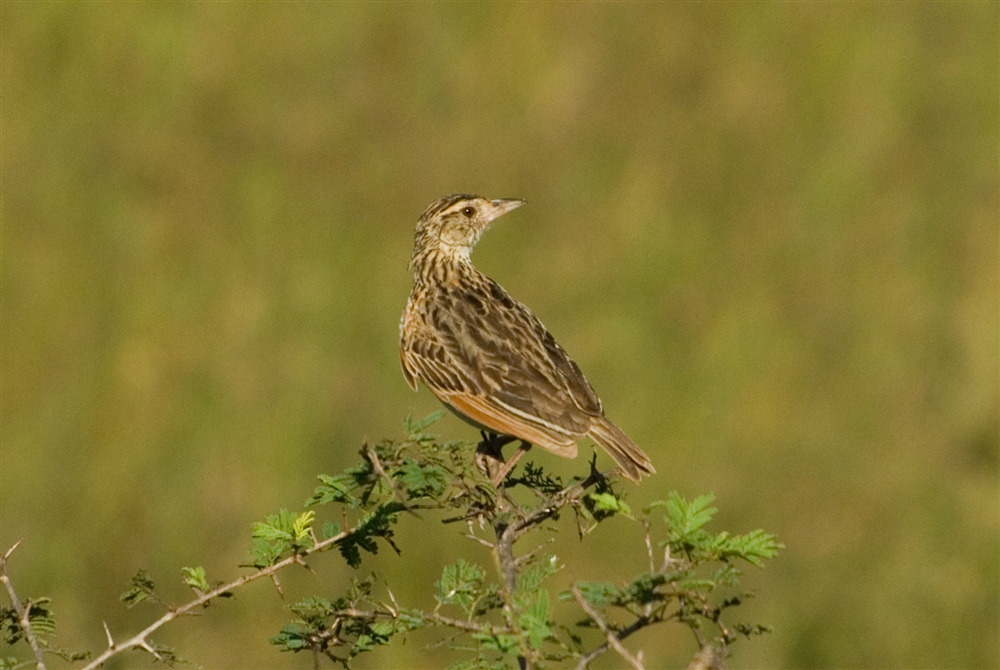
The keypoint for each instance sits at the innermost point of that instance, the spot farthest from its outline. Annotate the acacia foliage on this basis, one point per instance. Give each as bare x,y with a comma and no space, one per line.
496,613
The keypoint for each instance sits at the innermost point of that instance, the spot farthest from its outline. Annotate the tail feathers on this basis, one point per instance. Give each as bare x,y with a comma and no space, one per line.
630,458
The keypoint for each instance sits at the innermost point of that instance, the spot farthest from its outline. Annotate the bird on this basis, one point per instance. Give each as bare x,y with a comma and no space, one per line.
487,357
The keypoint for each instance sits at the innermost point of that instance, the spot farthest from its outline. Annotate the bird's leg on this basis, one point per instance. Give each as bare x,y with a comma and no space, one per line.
489,452
509,465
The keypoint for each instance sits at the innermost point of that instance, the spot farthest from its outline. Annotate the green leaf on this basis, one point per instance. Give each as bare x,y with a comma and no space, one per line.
275,527
643,590
265,553
598,594
375,524
608,502
688,517
534,621
313,610
415,428
41,619
727,575
412,619
687,521
280,533
461,584
330,529
195,578
291,638
334,489
301,528
532,577
362,644
753,547
370,635
349,549
505,644
422,480
140,588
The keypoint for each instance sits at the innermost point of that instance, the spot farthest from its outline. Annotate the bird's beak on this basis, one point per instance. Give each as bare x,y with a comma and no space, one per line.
504,205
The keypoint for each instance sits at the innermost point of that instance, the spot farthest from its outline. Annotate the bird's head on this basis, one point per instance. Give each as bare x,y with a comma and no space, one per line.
451,226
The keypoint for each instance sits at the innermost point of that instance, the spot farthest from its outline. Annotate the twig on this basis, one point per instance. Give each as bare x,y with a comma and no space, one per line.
612,637
649,546
556,503
141,641
507,535
394,485
472,536
433,617
530,554
332,632
636,625
23,613
708,658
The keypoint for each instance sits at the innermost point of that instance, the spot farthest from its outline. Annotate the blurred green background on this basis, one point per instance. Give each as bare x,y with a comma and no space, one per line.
767,232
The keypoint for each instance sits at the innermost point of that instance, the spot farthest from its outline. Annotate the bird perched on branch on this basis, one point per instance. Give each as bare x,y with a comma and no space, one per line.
487,357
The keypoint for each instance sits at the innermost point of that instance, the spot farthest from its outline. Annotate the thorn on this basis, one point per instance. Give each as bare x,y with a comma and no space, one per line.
107,631
11,550
277,585
301,561
395,606
145,645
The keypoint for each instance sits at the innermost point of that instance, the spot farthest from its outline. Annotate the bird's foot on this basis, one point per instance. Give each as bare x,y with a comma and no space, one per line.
489,456
509,465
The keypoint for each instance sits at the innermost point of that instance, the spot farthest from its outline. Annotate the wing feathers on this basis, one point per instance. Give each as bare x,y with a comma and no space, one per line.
483,412
491,360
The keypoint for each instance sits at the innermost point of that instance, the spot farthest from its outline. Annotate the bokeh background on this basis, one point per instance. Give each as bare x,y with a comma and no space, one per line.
768,232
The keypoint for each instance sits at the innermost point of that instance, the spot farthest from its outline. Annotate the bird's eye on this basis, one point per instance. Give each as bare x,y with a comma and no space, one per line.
469,211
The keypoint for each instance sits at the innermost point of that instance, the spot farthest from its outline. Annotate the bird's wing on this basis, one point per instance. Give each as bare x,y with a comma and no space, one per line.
475,340
426,358
505,420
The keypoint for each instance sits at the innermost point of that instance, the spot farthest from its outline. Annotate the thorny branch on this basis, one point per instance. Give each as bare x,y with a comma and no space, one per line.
611,636
23,613
503,549
636,625
432,617
570,494
435,479
141,639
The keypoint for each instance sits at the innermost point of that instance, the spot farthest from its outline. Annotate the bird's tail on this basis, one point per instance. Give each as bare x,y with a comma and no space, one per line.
630,458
